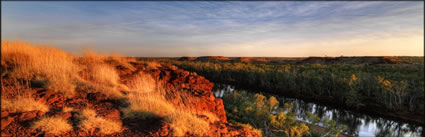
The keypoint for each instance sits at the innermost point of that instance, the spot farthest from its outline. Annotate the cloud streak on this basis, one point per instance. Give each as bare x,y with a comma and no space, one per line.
218,28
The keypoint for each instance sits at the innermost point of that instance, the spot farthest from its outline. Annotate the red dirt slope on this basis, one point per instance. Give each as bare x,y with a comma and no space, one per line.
176,80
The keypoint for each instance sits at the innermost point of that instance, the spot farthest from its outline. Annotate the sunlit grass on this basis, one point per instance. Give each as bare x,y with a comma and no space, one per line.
92,121
29,61
52,125
23,104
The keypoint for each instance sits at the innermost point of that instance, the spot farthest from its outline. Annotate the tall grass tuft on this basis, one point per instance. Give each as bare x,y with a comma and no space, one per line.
23,104
91,121
52,125
27,62
148,99
99,75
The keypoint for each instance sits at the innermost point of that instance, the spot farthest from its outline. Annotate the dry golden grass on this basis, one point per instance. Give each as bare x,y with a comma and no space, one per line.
155,105
182,122
248,126
118,60
91,57
96,72
100,75
186,101
67,109
153,65
52,125
143,83
148,99
88,113
29,61
23,104
91,121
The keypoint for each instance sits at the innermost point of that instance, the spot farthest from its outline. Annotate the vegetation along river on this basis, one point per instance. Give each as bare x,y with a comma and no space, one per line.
358,124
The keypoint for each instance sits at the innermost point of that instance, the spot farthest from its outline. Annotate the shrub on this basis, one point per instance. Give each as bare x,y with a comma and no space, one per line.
23,104
52,125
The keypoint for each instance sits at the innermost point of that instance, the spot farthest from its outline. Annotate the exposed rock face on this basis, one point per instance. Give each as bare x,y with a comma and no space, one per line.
177,81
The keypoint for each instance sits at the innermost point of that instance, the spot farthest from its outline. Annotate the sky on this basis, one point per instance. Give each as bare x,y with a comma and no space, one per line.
202,28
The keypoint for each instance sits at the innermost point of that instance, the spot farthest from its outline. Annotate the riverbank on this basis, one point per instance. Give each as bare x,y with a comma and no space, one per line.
394,91
358,124
375,110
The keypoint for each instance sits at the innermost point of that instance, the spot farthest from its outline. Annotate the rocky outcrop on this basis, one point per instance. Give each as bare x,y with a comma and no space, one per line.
198,89
178,82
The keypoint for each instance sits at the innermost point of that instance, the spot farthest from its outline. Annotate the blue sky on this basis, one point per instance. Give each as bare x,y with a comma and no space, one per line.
221,28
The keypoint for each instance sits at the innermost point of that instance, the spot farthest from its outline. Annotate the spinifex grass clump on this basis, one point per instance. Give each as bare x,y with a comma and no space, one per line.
90,121
100,75
23,104
52,125
27,62
59,71
147,99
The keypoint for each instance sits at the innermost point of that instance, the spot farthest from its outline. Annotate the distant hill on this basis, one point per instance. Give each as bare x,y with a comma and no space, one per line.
351,60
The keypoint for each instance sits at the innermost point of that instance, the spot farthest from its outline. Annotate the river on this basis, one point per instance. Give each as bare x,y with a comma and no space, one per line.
358,124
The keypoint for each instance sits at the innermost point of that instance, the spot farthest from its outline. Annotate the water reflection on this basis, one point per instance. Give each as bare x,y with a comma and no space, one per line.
357,124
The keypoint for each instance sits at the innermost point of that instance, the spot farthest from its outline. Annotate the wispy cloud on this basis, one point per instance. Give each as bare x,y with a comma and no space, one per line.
214,28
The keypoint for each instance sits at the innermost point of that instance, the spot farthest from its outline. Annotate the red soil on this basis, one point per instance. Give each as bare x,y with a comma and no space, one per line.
176,80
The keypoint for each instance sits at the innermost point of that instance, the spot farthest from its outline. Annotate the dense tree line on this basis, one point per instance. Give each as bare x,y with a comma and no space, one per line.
394,86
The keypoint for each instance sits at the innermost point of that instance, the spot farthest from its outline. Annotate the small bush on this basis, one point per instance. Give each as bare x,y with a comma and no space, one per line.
52,125
23,104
